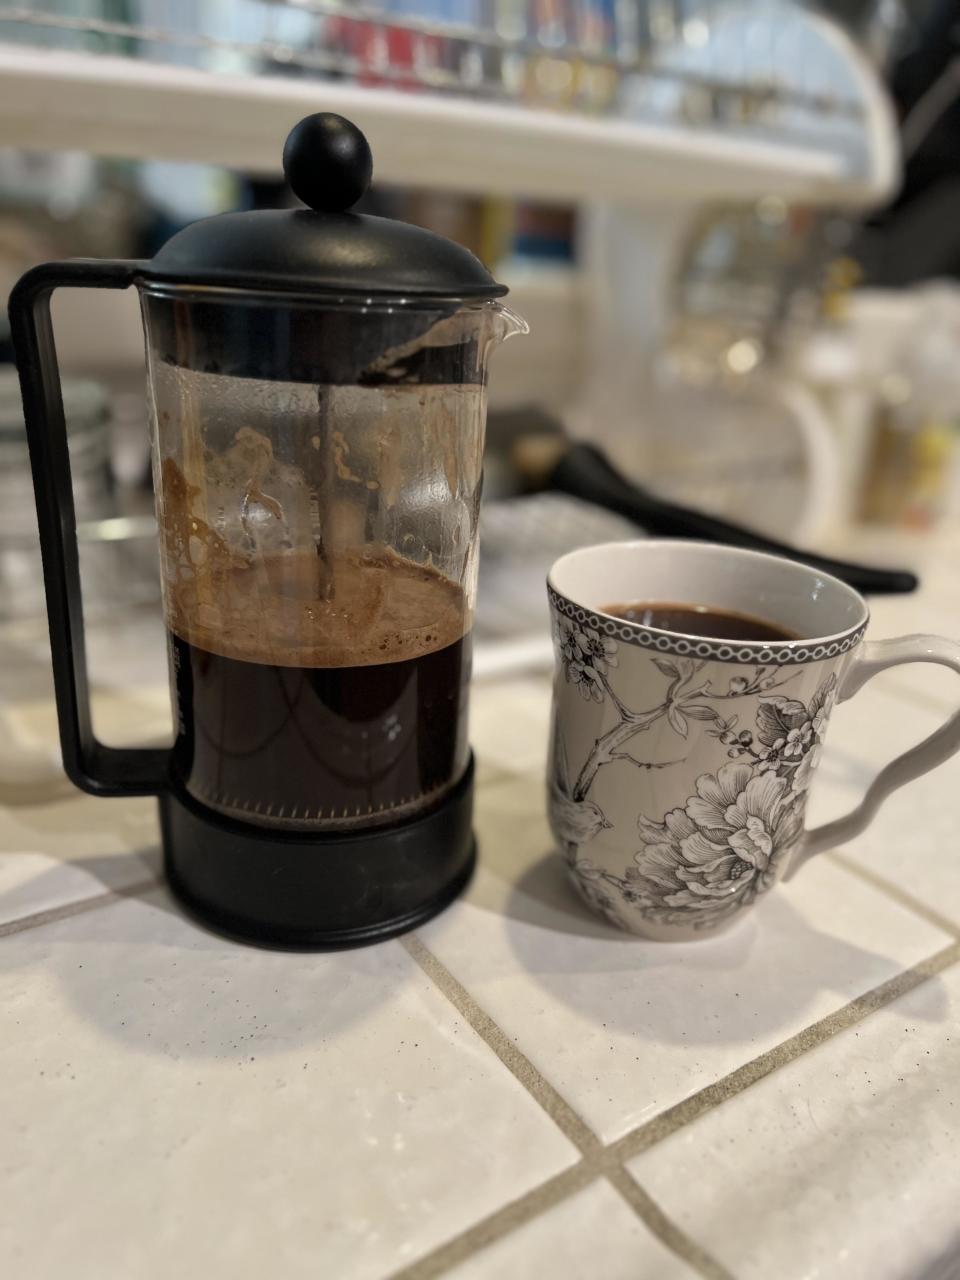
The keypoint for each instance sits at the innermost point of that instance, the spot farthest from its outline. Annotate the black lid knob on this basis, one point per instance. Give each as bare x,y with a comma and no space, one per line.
327,162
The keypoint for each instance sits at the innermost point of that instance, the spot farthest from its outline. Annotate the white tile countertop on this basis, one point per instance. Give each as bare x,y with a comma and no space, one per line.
516,1090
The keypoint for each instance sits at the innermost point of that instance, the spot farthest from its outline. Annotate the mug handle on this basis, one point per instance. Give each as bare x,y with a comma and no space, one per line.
94,767
872,658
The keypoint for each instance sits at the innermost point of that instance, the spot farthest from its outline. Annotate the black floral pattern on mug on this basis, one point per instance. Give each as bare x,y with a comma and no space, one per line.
716,852
587,657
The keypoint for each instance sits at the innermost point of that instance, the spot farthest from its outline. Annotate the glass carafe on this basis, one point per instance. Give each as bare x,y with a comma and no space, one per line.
317,466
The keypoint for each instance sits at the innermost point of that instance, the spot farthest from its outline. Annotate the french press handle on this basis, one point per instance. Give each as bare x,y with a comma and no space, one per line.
94,767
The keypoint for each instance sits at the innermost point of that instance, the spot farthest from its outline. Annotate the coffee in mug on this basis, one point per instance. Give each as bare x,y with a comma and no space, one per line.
699,620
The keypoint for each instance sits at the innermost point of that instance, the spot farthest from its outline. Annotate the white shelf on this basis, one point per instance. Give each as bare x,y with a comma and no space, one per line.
117,107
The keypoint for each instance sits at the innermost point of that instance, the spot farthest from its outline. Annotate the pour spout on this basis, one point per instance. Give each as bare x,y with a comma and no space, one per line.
505,323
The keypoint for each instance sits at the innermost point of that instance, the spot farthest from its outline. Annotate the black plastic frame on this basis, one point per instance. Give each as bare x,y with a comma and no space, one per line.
298,891
94,767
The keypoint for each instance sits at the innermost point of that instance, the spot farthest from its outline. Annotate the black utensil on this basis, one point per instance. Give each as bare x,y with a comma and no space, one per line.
583,471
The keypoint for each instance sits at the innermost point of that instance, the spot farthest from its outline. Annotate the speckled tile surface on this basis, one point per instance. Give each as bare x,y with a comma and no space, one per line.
175,1104
77,847
462,1103
849,1156
912,842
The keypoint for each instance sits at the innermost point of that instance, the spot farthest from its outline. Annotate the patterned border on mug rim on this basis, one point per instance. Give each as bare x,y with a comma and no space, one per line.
792,652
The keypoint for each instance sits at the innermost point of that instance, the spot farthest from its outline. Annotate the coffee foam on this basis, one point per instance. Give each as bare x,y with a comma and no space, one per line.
358,609
292,607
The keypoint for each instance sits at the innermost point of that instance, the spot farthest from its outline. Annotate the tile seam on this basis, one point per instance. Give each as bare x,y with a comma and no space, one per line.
517,1063
596,1159
76,907
661,1225
502,1222
892,890
899,687
609,1161
855,1011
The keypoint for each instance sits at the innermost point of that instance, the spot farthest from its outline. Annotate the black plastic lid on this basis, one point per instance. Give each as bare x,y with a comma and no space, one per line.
322,249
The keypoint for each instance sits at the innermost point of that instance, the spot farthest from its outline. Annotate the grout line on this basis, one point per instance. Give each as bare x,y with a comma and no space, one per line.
893,890
690,1109
899,687
76,908
597,1159
666,1231
556,1107
499,1224
609,1161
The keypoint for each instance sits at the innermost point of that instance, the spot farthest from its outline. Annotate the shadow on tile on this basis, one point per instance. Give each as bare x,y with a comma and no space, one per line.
119,873
543,896
55,854
762,977
144,975
75,816
48,786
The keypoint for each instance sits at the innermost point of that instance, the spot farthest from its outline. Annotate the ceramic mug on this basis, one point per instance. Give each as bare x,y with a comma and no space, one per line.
680,765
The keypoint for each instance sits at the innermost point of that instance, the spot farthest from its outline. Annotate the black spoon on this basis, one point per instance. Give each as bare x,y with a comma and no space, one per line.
583,471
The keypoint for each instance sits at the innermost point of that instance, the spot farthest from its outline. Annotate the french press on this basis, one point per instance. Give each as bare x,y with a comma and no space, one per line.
317,395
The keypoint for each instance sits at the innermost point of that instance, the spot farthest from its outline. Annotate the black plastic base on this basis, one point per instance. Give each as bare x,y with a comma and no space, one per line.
291,890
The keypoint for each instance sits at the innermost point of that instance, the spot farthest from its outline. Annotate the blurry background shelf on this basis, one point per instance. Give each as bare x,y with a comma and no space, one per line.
666,186
118,107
